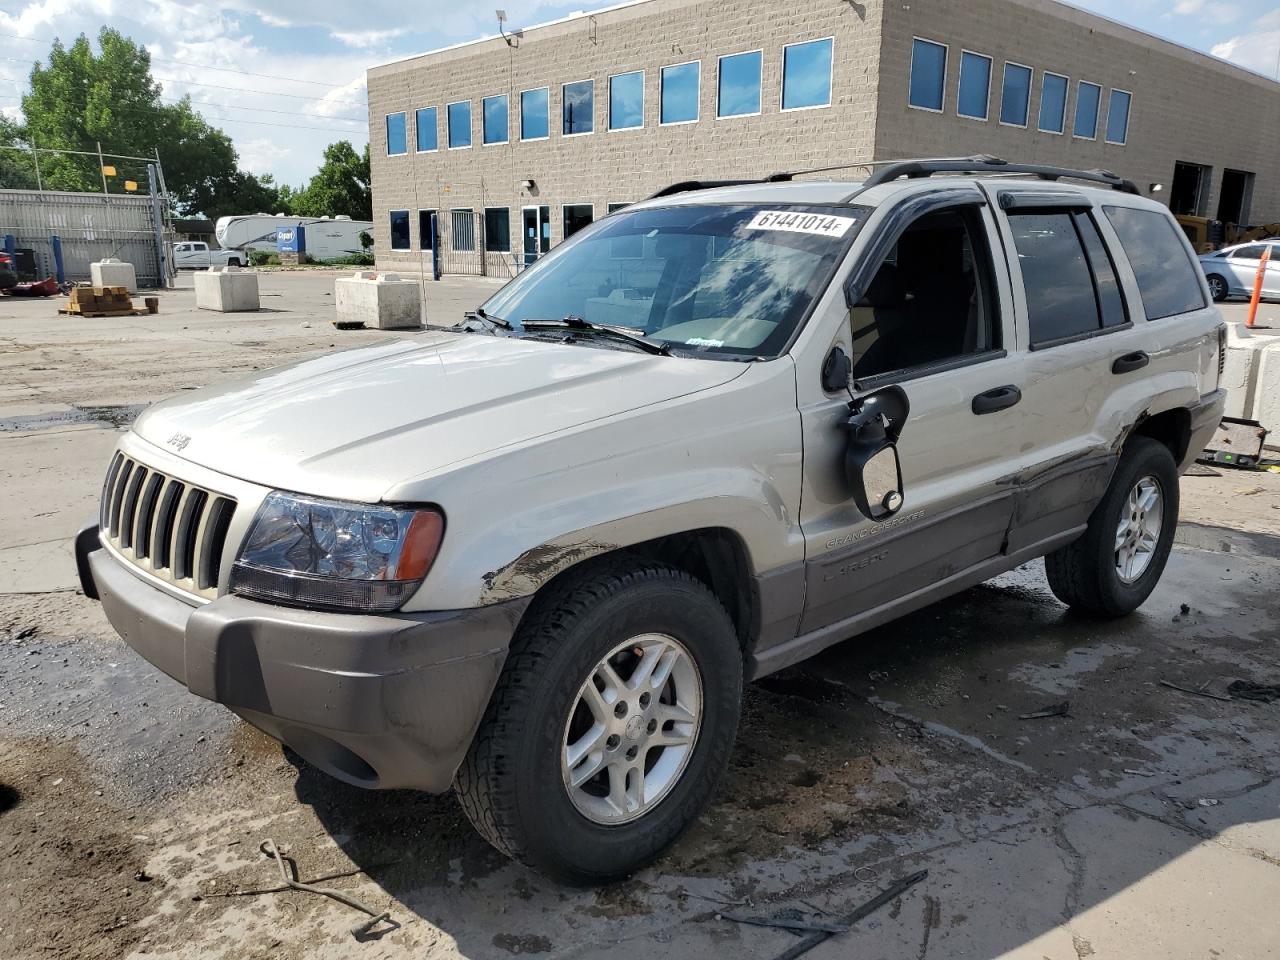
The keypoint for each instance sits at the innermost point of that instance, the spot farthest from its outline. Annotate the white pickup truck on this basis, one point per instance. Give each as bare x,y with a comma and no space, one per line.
196,255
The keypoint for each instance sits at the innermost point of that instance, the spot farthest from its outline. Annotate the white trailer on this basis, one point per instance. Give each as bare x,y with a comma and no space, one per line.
327,237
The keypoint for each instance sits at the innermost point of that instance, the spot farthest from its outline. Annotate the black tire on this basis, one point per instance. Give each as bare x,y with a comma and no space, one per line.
236,262
1218,288
510,785
1083,574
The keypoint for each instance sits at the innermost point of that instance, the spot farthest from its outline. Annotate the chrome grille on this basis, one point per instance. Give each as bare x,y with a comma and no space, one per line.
173,530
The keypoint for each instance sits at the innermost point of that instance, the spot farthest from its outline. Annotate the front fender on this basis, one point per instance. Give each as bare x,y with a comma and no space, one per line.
725,458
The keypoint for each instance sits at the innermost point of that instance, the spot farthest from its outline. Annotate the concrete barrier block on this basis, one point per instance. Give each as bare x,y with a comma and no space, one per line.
383,301
1251,378
114,273
226,290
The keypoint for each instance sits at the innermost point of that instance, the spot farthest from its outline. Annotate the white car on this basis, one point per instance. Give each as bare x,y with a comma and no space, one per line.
1231,271
196,255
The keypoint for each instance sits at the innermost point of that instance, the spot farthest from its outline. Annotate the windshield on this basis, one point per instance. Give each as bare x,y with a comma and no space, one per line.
719,279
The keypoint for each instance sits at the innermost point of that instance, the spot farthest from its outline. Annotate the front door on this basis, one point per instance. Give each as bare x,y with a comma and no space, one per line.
934,315
536,231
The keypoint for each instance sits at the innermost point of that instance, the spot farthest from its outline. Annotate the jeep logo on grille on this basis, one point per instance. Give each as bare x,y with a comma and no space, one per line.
178,441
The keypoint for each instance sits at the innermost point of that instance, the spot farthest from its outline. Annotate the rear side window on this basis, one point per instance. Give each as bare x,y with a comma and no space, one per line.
1069,278
1167,276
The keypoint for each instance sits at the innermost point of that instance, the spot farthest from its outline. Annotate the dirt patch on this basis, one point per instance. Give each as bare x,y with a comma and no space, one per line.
68,861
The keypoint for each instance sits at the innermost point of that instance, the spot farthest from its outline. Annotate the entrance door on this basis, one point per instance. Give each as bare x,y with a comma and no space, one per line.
536,229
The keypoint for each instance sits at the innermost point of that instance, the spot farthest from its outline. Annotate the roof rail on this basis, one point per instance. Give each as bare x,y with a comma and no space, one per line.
915,169
687,186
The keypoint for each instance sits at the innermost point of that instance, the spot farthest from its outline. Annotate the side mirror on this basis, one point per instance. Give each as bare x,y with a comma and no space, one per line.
871,454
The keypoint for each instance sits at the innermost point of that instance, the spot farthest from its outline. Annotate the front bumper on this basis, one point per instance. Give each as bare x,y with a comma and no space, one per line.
378,701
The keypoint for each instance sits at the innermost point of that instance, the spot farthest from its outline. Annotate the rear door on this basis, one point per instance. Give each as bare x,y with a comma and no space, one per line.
1082,346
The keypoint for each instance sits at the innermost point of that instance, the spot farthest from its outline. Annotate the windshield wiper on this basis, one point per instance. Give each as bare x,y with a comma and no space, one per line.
625,334
481,314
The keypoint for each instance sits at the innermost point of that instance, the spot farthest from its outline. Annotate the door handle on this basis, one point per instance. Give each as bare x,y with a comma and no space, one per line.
1000,398
1130,362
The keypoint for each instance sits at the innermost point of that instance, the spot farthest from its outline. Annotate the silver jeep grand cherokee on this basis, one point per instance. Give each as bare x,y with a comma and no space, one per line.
534,559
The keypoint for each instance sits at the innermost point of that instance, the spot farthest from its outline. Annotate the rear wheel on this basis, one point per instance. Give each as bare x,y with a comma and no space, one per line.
1217,287
1112,569
611,724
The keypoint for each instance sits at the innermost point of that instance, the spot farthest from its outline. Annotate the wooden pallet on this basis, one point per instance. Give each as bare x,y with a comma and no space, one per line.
106,302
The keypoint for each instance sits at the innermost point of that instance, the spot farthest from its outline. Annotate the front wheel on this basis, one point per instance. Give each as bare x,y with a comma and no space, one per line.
1112,569
1217,287
611,724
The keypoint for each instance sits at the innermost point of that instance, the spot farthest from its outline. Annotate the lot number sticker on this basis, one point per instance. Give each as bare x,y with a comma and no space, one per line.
817,223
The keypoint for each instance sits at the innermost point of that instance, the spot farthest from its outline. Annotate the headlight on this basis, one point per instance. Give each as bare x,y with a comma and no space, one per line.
344,556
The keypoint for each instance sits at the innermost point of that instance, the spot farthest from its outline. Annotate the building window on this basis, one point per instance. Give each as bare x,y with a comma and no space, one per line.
679,93
497,229
1118,116
462,221
576,216
738,93
424,229
975,85
397,140
400,239
1015,95
579,107
806,75
626,101
459,125
928,74
494,118
1053,103
535,121
1088,96
425,124
615,206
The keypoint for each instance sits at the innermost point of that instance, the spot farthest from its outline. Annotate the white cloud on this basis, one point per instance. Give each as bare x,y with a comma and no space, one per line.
1188,7
1255,51
262,154
364,39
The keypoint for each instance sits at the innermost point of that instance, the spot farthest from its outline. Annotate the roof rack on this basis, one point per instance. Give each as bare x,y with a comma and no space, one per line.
890,170
915,169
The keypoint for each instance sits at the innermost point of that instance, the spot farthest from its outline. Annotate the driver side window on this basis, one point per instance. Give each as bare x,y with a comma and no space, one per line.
931,301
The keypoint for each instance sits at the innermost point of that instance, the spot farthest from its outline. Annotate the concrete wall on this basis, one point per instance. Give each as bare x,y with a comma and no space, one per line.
1186,105
604,166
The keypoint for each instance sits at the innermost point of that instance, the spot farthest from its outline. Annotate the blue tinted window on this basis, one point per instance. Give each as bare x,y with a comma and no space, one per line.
397,141
1053,103
975,85
400,228
579,107
460,124
739,91
806,75
1118,117
533,114
425,121
928,73
494,110
1015,96
1087,97
680,92
626,101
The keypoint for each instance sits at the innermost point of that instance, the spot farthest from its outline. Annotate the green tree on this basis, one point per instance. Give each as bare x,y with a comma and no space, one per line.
79,99
17,169
339,188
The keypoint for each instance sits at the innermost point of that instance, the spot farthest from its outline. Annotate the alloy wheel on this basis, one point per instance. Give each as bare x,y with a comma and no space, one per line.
1138,533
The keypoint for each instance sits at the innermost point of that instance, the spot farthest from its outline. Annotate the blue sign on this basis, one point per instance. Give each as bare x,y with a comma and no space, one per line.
291,240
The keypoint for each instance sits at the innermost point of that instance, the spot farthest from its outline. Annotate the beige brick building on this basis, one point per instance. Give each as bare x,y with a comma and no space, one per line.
509,141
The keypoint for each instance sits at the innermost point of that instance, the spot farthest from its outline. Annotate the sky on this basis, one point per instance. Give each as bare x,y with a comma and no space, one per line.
286,79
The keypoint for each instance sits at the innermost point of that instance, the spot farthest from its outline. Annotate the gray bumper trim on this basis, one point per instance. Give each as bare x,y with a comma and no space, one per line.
378,701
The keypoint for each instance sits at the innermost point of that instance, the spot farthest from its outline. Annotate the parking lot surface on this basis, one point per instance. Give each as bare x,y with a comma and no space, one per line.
1139,820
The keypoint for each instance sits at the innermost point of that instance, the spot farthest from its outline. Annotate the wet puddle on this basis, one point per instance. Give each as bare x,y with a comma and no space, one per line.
118,416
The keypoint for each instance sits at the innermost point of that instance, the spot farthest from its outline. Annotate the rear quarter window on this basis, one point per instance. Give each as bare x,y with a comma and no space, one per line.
1167,276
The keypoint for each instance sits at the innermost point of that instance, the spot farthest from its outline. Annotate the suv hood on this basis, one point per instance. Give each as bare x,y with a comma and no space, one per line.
352,424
